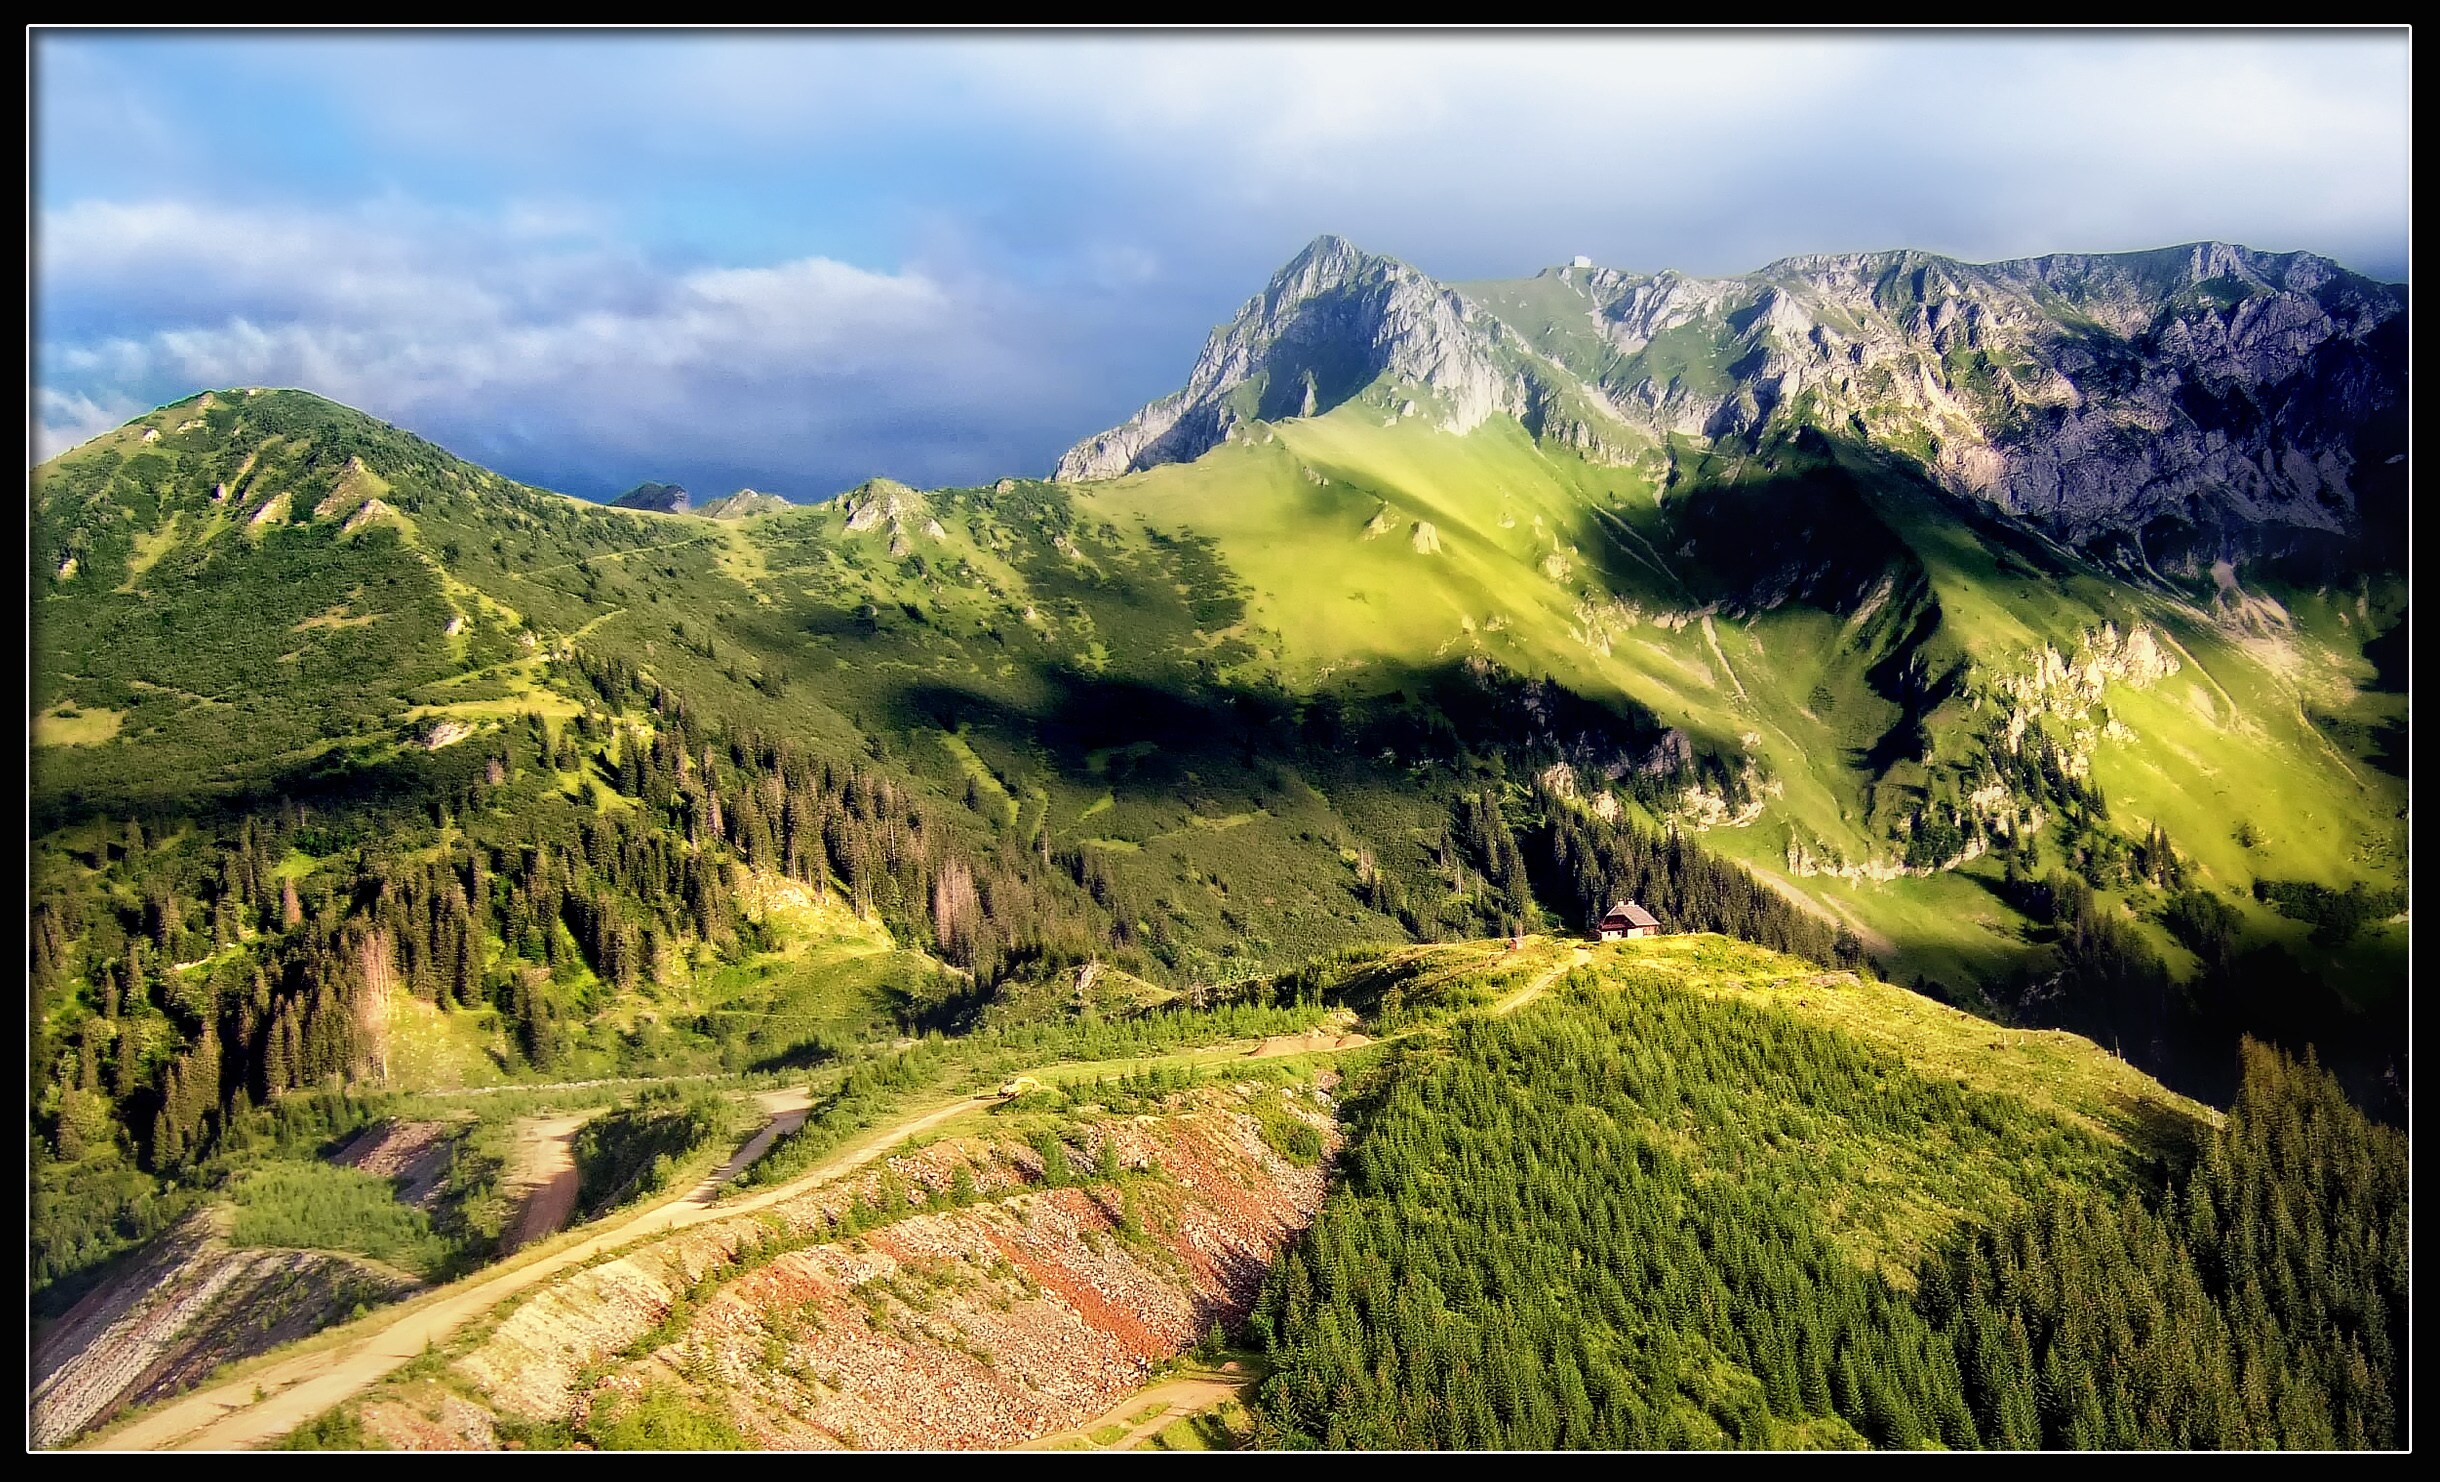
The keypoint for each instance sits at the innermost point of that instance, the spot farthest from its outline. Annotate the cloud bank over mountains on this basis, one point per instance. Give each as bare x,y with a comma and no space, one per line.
792,261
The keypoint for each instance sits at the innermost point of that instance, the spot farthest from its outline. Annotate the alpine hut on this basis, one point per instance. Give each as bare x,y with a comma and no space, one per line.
1627,919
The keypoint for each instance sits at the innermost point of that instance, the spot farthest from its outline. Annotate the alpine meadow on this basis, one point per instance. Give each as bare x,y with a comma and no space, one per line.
1812,859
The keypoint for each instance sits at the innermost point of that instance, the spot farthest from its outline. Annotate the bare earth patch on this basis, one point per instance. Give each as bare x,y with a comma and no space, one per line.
542,1177
413,1154
1023,1315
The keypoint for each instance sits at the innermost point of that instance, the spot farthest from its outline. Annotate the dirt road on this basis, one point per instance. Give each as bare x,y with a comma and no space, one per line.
783,1112
1533,990
1316,1042
1177,1398
264,1405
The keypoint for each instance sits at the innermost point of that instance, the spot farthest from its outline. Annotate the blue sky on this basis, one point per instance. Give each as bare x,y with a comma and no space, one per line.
793,260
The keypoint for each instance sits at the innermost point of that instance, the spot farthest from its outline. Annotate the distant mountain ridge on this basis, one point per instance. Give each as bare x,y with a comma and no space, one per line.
744,504
2165,403
668,499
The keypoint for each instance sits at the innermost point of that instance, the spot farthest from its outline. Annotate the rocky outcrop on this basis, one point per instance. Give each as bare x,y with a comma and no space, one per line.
2168,405
893,509
976,1309
744,505
187,1304
667,499
2068,691
371,511
446,731
878,501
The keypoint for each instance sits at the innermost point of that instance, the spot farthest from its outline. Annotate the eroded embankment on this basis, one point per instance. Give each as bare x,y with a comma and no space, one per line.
542,1178
414,1156
186,1305
990,1295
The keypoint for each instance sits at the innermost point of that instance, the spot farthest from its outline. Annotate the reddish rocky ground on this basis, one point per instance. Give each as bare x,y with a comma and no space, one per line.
1027,1311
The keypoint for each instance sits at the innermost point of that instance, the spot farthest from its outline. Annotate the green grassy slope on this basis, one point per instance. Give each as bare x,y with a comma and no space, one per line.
1831,634
1201,724
1582,572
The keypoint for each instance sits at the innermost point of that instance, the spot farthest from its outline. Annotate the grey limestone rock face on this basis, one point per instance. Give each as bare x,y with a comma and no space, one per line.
1333,322
2207,389
2208,386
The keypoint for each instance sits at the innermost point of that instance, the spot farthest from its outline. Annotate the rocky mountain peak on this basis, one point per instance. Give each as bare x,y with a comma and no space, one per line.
2188,396
668,499
1329,324
1324,262
744,504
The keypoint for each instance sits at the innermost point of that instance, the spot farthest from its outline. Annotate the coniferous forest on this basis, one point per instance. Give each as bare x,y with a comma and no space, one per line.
397,828
1631,1218
472,880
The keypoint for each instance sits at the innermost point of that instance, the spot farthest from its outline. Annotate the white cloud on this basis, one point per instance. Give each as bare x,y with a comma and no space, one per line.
1716,153
62,419
974,249
438,322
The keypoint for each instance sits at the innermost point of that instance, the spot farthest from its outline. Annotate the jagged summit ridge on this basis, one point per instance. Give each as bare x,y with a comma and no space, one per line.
2207,386
1329,324
2201,393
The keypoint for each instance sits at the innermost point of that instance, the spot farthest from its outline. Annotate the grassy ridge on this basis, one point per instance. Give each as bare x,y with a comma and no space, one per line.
984,650
1637,1215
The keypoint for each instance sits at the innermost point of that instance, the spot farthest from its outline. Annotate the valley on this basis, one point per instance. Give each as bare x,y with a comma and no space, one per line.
955,968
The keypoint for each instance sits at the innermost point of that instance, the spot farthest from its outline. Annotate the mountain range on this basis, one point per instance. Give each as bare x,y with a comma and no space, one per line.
666,499
2030,635
2161,404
